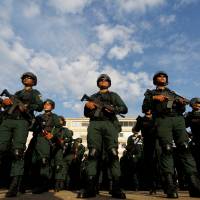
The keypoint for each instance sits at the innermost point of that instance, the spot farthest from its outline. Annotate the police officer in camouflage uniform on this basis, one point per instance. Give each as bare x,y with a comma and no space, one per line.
103,129
192,120
47,125
167,108
62,155
15,126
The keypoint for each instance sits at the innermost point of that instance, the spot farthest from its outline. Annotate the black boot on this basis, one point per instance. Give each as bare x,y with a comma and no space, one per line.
170,188
14,186
59,185
89,190
152,188
194,185
116,190
42,187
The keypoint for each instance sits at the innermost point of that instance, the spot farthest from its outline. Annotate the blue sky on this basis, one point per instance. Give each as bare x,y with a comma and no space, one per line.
69,43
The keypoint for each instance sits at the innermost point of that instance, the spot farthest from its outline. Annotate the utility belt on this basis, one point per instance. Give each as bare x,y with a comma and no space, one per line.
100,119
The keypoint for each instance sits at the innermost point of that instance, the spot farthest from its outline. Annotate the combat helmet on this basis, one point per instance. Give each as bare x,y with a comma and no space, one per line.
62,119
50,101
194,100
157,74
103,77
29,74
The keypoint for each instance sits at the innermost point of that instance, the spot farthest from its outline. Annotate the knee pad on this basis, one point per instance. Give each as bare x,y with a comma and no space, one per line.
18,154
113,153
167,149
92,153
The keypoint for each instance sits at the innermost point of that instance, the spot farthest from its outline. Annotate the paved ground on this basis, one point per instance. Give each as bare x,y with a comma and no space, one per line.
65,195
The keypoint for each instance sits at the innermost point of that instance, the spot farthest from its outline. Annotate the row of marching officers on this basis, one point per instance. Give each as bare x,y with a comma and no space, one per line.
162,125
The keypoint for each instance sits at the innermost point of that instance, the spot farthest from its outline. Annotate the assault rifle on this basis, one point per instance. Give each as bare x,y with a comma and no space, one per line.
171,98
17,104
15,100
100,105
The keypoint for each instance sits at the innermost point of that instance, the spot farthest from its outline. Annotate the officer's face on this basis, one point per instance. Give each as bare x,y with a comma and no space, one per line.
161,79
103,83
196,106
28,81
48,106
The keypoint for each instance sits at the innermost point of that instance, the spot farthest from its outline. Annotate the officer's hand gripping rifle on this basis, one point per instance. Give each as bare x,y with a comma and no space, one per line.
100,105
173,97
15,100
17,103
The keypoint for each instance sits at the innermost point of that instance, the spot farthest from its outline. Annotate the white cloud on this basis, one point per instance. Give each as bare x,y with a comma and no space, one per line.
145,25
121,52
138,64
14,52
77,107
181,3
96,50
6,31
69,6
122,39
31,10
138,5
6,10
166,20
108,34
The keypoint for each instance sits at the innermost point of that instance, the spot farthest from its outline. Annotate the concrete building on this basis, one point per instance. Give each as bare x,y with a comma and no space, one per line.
79,127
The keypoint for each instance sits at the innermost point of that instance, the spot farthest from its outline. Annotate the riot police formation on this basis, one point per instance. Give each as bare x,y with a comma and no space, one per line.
55,160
